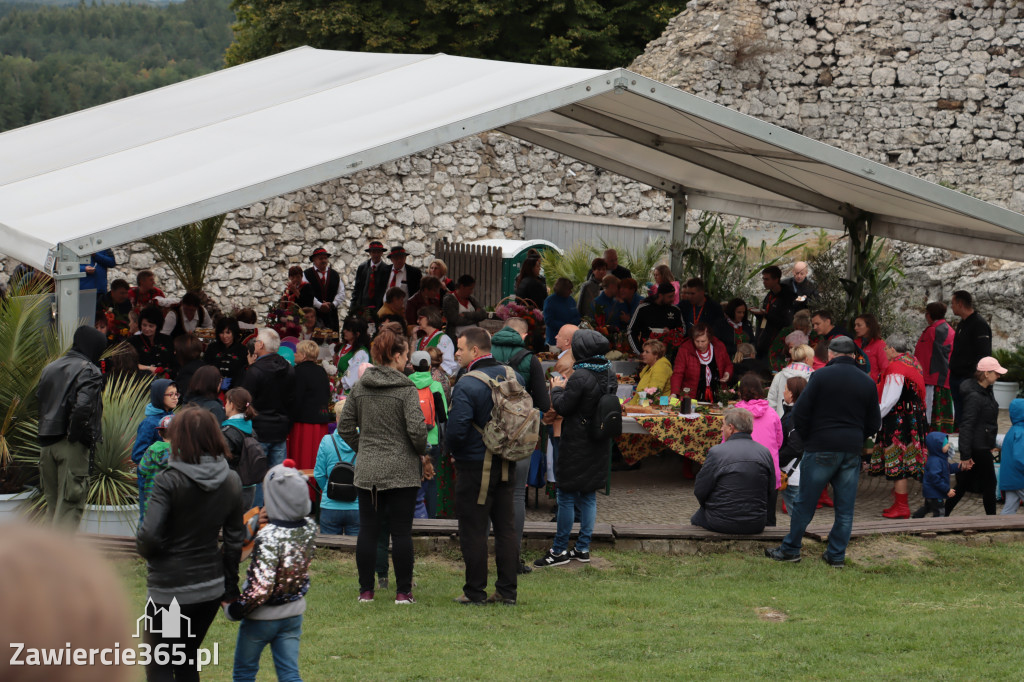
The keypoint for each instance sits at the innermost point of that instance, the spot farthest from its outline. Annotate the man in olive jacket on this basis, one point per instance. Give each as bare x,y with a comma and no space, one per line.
70,413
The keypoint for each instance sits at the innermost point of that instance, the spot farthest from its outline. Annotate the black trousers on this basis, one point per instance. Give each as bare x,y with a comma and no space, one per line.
395,508
981,477
473,518
199,618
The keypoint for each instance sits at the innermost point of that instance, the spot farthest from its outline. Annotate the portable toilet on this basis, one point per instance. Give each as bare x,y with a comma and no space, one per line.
513,253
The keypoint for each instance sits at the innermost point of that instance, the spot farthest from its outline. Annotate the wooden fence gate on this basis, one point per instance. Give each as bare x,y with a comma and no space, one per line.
484,263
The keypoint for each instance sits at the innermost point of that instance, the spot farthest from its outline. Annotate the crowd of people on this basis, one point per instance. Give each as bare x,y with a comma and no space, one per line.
437,417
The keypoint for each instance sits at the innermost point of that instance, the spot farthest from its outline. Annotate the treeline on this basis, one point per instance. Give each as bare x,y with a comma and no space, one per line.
56,60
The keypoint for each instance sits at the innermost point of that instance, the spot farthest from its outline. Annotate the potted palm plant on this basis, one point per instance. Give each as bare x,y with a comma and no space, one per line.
112,507
28,342
186,251
1008,386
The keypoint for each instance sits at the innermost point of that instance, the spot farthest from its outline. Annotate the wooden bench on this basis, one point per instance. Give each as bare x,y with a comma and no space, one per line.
946,524
672,531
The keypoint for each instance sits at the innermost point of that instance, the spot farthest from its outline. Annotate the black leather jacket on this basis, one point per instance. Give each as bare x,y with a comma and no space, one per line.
189,505
70,392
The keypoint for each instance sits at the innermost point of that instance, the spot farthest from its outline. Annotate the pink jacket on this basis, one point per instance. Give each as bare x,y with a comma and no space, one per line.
767,430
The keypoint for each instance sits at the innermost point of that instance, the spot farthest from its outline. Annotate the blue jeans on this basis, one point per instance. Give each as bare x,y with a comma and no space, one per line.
567,504
282,636
817,469
276,453
339,521
789,497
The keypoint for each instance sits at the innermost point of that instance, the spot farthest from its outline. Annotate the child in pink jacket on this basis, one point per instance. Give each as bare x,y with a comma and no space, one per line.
767,425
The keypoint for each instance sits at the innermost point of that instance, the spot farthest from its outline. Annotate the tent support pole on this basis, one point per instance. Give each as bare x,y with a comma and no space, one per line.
67,275
677,240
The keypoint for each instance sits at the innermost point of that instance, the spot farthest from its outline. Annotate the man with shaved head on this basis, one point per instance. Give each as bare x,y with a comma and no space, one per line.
803,287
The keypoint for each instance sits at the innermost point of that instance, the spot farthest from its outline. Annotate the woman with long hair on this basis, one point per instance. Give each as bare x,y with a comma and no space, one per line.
384,424
156,350
191,538
529,284
353,352
663,273
735,328
869,340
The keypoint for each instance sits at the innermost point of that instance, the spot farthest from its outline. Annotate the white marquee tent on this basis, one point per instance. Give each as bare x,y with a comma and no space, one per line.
139,166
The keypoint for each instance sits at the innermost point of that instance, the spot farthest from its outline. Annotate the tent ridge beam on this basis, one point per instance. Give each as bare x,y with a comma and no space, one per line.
596,119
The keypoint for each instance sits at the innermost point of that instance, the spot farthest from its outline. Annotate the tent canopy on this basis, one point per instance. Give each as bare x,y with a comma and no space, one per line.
139,166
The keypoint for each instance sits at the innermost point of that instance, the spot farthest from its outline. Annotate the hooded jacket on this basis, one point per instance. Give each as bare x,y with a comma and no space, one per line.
505,344
935,483
271,382
979,422
235,431
146,434
383,423
70,392
767,429
189,506
1011,463
583,462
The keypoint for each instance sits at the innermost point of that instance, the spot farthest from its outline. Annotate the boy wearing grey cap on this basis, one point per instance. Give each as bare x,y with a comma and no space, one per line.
273,597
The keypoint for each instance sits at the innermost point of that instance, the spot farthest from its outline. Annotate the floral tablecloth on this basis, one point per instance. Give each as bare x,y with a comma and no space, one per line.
690,438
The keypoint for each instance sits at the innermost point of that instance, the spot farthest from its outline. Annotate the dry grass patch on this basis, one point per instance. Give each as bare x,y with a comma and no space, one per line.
886,550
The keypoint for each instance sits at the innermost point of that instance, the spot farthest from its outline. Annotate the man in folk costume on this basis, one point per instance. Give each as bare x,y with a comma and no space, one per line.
405,277
328,291
933,351
366,293
900,451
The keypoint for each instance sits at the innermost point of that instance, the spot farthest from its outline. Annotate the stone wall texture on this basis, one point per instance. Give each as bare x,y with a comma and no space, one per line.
934,88
930,87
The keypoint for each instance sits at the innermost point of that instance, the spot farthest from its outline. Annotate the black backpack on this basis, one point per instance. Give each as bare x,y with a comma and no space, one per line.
340,486
252,462
607,419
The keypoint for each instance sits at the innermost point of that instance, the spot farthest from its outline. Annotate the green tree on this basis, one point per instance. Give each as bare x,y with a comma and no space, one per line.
585,33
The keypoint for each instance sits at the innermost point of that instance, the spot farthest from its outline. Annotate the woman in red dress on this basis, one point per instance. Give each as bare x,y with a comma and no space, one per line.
311,409
869,340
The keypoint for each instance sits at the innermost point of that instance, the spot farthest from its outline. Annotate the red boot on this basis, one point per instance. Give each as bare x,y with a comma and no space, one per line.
891,506
825,500
784,510
900,510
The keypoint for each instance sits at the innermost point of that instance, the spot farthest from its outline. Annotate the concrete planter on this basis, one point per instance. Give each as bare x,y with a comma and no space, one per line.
11,505
110,520
1005,392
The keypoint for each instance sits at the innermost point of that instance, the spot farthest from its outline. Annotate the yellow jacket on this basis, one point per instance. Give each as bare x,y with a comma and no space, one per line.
658,375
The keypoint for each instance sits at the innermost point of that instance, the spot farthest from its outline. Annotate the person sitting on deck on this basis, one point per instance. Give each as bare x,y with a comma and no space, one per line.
737,480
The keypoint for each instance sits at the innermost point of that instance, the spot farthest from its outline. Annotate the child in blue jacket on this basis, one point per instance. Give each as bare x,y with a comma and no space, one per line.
1011,462
935,484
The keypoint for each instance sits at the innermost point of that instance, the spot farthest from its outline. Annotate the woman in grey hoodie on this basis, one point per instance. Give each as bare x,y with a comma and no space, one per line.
384,424
195,500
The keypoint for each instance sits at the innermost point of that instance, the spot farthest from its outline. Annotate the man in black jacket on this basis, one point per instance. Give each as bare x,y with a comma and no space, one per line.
834,415
271,382
405,277
972,342
365,293
657,312
470,411
776,312
737,482
328,291
70,415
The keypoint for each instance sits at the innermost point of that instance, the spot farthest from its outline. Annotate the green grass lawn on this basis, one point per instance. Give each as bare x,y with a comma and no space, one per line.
902,609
